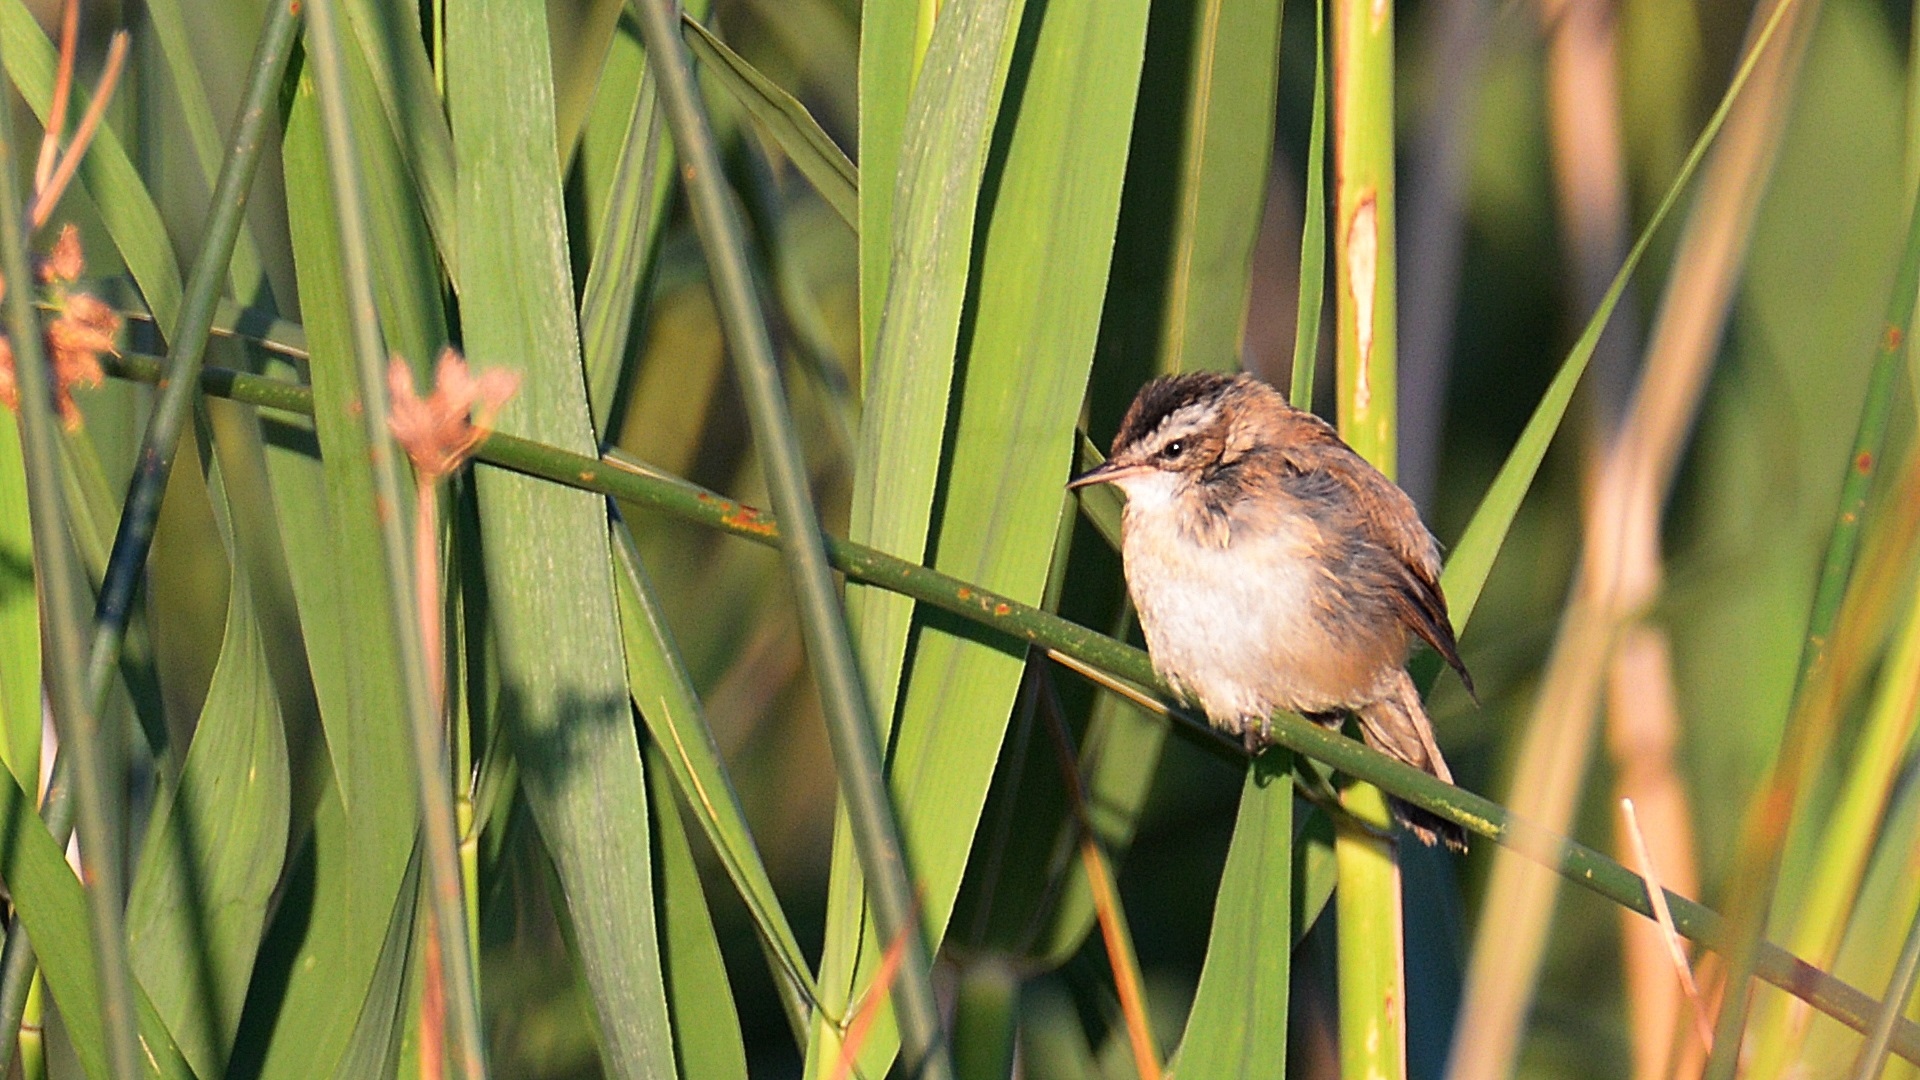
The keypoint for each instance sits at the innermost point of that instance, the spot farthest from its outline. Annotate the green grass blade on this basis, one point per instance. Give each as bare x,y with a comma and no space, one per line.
377,1041
126,208
1313,230
550,585
890,54
1764,839
1233,75
1873,1053
580,34
203,132
135,531
844,698
631,213
921,178
1314,874
216,841
325,58
19,617
52,906
1042,274
706,1026
909,375
364,826
1863,797
1238,1023
664,694
781,116
986,1021
388,37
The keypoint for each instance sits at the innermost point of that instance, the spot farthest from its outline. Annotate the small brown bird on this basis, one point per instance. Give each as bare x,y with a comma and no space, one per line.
1273,568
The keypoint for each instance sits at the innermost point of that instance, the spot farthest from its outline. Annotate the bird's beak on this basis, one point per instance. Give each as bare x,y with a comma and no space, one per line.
1106,473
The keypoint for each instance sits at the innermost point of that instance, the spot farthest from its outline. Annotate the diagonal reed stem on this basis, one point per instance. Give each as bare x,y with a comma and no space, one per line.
155,461
850,724
670,495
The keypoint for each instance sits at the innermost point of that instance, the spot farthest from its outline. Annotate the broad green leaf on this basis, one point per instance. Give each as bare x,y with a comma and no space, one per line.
393,52
1314,874
626,171
126,209
664,694
890,55
171,27
1238,1023
51,903
19,618
376,1045
1313,230
908,375
217,839
1042,280
363,828
1233,71
549,579
781,116
706,1026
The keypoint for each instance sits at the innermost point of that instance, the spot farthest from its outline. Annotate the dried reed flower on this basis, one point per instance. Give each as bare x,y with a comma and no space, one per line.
440,431
82,328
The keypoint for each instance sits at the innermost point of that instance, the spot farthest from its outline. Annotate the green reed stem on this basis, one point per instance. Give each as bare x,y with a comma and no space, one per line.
1372,969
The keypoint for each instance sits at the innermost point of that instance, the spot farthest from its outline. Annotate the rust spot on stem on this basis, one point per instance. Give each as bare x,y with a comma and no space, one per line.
747,519
1892,339
1864,463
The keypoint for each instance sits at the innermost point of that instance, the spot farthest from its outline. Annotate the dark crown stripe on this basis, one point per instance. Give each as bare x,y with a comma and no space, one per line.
1162,398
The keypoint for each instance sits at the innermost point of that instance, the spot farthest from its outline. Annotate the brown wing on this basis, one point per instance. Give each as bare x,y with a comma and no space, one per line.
1393,524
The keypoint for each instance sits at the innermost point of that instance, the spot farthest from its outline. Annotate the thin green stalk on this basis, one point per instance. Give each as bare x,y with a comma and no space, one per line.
850,725
664,493
1873,1053
444,891
63,608
1763,842
127,562
1372,979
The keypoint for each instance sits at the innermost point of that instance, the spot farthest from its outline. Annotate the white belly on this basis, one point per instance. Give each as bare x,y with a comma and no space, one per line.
1233,628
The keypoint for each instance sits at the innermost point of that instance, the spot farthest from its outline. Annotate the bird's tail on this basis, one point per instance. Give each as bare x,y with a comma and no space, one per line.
1397,725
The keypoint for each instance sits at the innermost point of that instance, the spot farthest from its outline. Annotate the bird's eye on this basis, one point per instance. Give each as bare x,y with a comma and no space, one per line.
1173,449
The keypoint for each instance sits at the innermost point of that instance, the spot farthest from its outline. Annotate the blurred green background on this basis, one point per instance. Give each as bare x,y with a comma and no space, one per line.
1487,316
